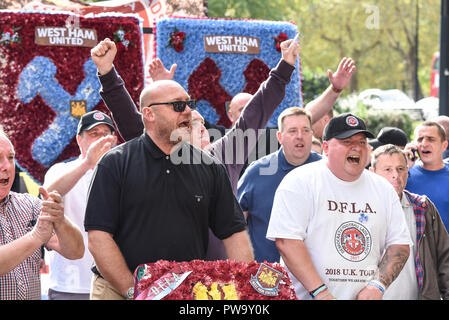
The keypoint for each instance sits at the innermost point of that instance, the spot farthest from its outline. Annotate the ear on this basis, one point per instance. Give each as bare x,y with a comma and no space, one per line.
148,114
279,136
325,146
445,145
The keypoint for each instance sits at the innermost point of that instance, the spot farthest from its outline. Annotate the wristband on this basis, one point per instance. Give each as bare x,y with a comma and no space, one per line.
336,90
377,284
315,292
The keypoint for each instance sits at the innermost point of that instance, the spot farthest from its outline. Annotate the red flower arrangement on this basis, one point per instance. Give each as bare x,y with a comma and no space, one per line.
255,73
9,36
279,39
122,39
217,280
24,122
204,84
177,40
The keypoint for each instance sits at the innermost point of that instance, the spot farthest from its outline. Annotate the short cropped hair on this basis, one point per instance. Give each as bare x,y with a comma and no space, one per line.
293,111
440,128
388,149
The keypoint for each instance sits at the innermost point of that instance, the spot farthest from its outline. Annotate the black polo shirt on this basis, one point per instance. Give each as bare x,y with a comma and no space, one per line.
156,208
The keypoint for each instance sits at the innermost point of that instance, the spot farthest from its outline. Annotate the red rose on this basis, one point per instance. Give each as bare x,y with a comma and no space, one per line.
178,47
177,40
8,30
279,39
127,36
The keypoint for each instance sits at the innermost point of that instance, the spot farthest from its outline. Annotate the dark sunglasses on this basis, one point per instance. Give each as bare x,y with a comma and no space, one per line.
178,106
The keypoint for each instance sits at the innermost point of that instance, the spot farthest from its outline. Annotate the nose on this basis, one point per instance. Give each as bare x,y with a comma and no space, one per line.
187,110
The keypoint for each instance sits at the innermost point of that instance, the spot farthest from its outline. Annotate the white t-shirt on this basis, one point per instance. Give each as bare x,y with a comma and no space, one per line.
346,226
73,276
405,286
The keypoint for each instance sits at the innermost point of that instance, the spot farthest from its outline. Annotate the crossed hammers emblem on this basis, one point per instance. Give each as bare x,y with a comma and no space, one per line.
38,78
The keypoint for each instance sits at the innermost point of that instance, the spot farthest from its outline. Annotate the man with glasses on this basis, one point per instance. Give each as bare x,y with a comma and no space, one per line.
231,149
71,279
142,206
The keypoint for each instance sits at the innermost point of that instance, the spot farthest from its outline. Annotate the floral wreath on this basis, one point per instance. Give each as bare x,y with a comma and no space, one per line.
176,40
123,39
10,36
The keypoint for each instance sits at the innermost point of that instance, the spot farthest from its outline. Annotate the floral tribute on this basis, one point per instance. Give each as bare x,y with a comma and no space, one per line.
9,36
44,87
213,78
122,39
212,280
177,40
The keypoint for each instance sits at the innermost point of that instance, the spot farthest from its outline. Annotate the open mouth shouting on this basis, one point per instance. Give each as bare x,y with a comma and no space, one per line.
425,153
353,159
4,182
185,124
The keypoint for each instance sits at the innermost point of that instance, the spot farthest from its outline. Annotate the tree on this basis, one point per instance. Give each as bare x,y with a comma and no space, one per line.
380,36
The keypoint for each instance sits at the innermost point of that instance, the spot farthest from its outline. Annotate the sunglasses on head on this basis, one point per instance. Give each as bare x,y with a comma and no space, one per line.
178,106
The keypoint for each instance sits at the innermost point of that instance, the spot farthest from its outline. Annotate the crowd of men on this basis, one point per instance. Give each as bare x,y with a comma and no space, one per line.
349,215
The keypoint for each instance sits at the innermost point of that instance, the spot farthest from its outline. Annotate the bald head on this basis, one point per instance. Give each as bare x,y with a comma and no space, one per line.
237,104
162,91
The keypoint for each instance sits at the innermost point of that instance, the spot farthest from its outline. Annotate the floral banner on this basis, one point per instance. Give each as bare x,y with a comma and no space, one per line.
48,80
218,58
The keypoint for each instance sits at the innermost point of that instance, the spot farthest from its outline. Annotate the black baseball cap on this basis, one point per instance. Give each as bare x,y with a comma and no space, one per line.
344,126
389,135
92,119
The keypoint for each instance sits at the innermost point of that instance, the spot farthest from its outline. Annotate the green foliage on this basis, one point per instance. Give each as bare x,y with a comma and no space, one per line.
312,85
378,35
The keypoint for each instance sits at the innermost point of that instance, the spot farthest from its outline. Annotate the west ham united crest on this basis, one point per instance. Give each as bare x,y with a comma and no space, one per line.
266,281
353,241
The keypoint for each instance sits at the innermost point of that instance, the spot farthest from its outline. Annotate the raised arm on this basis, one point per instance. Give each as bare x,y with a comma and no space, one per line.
338,82
256,113
54,181
113,92
159,72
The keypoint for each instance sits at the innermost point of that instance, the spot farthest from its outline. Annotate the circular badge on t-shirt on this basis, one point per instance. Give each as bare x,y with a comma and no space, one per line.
353,241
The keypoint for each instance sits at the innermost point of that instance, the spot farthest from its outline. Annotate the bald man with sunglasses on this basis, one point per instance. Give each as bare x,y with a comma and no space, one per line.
155,197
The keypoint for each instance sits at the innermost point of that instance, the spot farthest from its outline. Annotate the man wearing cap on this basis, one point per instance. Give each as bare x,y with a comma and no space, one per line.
71,279
332,220
389,135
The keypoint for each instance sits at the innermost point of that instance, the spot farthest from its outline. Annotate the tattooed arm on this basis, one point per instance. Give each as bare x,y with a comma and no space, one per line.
389,268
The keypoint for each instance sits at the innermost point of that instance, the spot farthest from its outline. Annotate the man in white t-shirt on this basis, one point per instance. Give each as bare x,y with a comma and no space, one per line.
339,228
71,279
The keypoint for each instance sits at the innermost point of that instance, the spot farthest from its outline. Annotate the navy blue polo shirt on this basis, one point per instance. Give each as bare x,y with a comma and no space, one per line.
256,190
157,208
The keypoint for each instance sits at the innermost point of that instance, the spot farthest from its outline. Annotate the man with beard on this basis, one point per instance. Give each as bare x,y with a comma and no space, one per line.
143,207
